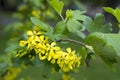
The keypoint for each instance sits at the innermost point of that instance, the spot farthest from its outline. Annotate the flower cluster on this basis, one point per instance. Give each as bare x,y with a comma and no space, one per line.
50,51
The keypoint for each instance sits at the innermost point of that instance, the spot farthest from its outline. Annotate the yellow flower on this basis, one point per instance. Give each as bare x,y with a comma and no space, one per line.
43,39
21,53
53,46
67,60
30,33
71,54
40,48
53,61
42,57
23,43
78,61
53,49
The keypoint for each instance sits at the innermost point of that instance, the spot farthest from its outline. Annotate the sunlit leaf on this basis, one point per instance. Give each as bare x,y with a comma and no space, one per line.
57,5
76,14
115,12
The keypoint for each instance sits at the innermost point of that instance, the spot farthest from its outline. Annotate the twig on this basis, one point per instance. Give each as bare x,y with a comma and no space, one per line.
62,18
73,41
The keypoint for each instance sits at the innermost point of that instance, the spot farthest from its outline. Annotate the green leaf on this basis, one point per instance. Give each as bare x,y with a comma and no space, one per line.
59,36
57,5
119,25
117,15
12,45
114,41
73,25
42,25
76,14
60,27
115,12
80,34
83,53
105,46
46,69
3,66
98,24
73,22
109,10
56,67
50,35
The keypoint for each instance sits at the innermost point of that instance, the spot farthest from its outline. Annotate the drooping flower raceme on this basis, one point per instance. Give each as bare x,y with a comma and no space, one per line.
36,41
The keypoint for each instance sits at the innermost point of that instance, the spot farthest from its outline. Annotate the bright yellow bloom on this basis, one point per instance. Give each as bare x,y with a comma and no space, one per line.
23,43
30,33
21,53
66,60
52,48
42,57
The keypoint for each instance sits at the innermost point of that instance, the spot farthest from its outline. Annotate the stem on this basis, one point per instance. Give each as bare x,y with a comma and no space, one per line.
62,18
88,48
73,41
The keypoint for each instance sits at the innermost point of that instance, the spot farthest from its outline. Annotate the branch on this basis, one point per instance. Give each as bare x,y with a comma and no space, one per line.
73,41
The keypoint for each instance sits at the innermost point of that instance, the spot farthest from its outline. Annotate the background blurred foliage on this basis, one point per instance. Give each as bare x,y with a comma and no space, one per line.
39,8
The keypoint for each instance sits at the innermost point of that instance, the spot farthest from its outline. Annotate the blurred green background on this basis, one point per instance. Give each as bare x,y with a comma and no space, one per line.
13,22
